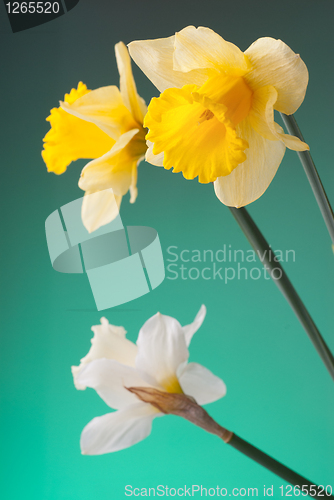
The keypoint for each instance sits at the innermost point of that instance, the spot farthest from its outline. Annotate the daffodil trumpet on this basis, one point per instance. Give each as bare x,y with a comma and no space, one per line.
312,176
280,278
187,408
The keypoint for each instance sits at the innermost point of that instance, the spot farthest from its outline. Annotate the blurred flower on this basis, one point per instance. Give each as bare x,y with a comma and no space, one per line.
105,124
118,369
215,116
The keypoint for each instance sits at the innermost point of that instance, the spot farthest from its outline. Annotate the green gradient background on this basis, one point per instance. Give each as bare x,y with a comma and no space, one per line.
280,397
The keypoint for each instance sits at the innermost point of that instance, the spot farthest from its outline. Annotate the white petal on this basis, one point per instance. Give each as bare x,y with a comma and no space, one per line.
274,63
105,108
110,380
131,99
161,348
99,208
203,48
250,179
198,382
108,342
118,430
155,59
150,157
189,330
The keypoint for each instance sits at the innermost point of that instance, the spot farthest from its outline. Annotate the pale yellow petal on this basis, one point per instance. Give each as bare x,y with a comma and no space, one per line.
112,170
150,157
135,104
261,118
250,179
274,63
203,48
105,108
99,208
133,186
155,59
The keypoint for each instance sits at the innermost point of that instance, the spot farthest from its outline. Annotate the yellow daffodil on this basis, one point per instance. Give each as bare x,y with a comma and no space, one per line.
105,125
215,116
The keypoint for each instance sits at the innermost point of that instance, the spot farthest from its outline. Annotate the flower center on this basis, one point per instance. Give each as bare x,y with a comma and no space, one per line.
206,115
172,385
229,91
137,146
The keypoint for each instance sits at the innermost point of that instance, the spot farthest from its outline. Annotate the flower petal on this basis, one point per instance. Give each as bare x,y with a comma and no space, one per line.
155,59
261,118
200,383
150,157
274,63
161,350
110,378
135,104
118,430
71,138
112,170
105,108
189,330
108,342
203,48
99,208
250,179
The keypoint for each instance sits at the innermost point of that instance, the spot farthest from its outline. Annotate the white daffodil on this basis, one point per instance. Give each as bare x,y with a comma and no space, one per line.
215,116
114,367
106,125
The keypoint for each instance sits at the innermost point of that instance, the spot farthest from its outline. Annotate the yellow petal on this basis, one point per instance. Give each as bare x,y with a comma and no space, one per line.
250,180
71,138
203,48
99,208
112,170
105,108
195,137
261,118
274,63
135,104
155,59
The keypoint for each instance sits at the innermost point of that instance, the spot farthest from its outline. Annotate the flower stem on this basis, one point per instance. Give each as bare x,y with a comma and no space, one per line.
186,407
277,273
274,466
312,175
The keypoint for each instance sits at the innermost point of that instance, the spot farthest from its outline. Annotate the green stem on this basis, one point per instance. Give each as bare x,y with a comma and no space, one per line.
277,273
277,468
312,175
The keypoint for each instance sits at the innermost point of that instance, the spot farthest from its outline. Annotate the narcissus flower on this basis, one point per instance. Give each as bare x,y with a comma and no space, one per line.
215,116
106,125
118,369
